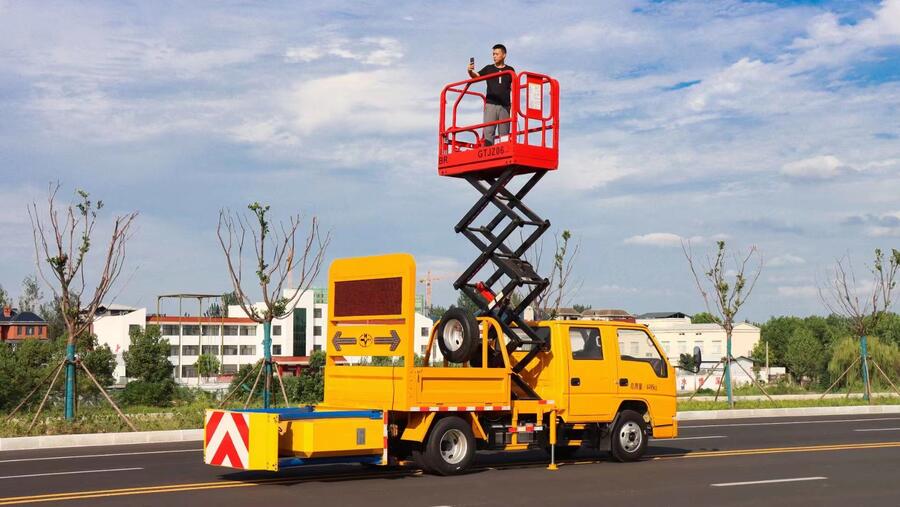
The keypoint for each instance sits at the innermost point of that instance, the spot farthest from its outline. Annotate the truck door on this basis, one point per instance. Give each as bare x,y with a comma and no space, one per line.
592,375
643,373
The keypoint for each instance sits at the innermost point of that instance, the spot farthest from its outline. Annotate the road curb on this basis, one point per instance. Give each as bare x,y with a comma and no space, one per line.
95,439
747,413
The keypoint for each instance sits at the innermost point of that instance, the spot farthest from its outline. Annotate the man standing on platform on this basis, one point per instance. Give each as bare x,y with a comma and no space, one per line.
498,93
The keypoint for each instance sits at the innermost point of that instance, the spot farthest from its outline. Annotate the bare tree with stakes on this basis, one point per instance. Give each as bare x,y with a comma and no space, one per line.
62,241
725,299
562,287
273,271
842,296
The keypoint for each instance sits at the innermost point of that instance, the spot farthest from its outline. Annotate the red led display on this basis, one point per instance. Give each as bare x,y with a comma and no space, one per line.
376,296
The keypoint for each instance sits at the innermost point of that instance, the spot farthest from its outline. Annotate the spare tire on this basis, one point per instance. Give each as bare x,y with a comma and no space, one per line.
457,335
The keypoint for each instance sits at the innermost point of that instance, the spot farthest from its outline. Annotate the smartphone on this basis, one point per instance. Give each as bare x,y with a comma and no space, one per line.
471,60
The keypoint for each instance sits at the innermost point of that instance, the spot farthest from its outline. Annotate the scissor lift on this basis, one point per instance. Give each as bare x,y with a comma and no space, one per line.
530,150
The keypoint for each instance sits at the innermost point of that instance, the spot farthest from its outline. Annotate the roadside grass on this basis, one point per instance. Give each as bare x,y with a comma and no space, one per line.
103,419
687,406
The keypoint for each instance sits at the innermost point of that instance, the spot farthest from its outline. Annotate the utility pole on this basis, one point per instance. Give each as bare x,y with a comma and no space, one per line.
767,362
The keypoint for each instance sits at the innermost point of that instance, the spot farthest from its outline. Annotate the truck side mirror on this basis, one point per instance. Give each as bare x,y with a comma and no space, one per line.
698,358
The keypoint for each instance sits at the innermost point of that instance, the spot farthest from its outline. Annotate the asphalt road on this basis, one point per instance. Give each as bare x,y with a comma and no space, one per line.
844,460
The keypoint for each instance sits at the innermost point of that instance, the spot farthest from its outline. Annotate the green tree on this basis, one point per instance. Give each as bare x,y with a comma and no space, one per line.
804,355
705,318
686,362
147,362
4,298
311,385
147,358
466,304
436,312
207,365
21,368
215,310
846,352
100,361
30,299
581,308
51,312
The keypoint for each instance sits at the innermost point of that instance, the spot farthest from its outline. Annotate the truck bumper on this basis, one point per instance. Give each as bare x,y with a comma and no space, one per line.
271,439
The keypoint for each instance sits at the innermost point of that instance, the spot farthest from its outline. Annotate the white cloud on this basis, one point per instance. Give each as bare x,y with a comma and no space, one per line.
662,239
616,289
879,231
798,291
880,30
368,50
786,260
822,167
380,101
669,239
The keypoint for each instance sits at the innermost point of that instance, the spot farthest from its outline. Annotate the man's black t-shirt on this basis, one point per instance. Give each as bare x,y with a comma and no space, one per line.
498,88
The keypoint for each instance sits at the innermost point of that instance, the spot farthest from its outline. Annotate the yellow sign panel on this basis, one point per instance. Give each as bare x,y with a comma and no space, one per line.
371,306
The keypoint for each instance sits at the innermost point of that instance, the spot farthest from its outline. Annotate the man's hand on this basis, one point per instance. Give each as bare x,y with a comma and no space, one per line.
471,70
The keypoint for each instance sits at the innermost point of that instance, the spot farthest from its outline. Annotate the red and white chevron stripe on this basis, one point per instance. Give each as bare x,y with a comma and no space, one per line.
227,439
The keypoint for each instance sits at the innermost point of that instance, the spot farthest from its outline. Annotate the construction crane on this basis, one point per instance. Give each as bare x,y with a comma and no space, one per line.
428,280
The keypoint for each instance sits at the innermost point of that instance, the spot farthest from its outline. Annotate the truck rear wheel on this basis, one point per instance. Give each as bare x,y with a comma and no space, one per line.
450,447
457,335
628,439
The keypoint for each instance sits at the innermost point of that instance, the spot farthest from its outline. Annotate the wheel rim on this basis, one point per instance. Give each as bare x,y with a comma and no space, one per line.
452,335
453,446
630,436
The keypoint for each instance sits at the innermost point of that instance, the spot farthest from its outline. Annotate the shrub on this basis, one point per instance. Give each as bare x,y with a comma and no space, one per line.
142,392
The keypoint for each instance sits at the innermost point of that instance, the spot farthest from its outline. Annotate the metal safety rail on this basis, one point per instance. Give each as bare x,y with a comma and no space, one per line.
533,127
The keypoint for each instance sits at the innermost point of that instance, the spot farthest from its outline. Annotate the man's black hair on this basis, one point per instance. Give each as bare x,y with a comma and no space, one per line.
501,47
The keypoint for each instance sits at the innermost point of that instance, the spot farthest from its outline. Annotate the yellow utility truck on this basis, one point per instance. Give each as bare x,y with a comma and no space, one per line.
589,383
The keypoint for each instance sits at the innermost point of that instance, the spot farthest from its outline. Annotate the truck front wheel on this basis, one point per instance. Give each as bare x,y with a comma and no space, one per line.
629,436
450,447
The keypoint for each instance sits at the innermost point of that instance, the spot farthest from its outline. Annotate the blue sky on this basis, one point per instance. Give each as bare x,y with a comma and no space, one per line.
774,124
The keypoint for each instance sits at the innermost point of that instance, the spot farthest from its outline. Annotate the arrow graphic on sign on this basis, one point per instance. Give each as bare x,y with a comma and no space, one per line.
337,341
393,340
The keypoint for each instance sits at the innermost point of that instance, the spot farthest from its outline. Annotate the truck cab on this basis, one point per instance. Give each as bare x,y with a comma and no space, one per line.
596,370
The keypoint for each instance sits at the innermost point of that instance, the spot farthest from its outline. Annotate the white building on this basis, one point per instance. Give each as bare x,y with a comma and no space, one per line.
677,335
236,340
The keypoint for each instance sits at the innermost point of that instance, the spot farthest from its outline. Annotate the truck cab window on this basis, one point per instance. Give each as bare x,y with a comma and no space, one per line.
642,349
585,343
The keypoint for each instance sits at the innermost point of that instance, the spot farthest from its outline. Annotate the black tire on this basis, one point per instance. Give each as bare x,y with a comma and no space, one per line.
450,447
418,455
457,335
628,440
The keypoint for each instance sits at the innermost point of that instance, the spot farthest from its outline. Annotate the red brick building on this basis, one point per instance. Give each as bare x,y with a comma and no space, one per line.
17,326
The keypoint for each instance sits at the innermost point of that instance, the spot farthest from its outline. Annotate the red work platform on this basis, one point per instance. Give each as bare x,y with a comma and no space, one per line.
533,141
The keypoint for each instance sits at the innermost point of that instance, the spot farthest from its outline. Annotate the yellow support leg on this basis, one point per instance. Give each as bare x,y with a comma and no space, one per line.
552,465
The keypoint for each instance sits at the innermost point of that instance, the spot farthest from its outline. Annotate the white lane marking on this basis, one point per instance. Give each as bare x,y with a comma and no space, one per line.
770,481
696,438
789,422
71,473
49,458
878,429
